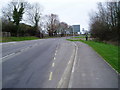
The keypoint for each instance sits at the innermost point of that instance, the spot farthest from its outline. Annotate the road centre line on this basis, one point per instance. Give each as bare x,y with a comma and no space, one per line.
56,51
55,54
53,64
54,58
69,62
50,76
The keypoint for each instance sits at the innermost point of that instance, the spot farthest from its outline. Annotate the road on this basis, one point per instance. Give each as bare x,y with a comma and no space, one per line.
54,63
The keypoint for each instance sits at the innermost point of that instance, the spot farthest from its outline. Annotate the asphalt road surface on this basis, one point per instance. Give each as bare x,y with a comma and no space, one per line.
54,63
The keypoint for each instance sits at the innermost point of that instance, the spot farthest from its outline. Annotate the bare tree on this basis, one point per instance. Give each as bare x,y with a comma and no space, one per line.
51,24
46,24
34,14
7,12
63,28
104,24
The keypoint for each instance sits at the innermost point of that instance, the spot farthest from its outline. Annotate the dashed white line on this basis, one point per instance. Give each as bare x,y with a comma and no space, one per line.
8,55
22,50
15,53
53,64
50,76
55,54
54,58
56,51
69,62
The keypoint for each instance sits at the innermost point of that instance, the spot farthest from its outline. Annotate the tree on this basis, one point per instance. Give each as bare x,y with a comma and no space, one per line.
104,24
51,24
70,28
34,15
7,12
63,27
14,13
18,12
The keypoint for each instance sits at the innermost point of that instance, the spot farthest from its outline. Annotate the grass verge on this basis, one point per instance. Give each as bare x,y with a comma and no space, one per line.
79,37
10,39
107,51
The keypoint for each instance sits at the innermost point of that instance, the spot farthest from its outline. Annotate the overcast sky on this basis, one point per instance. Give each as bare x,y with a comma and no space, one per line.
70,11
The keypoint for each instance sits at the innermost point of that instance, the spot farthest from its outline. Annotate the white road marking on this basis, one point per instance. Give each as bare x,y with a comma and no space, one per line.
22,50
18,51
27,48
56,51
69,62
14,53
53,64
75,60
54,58
50,76
55,54
8,55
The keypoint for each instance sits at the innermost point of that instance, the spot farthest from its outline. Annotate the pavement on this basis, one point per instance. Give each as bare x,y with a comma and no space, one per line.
54,63
91,71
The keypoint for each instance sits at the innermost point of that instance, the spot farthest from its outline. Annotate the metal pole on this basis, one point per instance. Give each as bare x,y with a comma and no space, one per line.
73,32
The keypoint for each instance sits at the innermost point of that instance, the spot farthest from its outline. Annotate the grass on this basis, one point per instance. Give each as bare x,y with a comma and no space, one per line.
81,36
107,51
10,39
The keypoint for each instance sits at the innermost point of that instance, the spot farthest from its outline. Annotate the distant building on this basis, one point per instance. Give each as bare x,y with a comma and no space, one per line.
76,28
